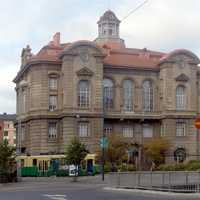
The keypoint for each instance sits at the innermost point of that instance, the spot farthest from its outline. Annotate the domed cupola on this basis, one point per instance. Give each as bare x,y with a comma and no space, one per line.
108,28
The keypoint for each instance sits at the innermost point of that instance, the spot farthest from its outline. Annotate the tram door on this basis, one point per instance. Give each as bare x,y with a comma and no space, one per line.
55,165
43,167
89,166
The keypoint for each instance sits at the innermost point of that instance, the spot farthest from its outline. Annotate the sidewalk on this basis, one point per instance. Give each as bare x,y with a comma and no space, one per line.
91,179
150,192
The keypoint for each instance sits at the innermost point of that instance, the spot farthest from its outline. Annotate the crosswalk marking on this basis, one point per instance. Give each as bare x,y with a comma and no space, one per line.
55,196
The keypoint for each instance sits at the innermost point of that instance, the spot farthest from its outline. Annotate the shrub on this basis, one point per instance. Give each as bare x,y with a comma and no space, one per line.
107,167
193,166
180,167
164,167
131,168
194,162
190,166
127,168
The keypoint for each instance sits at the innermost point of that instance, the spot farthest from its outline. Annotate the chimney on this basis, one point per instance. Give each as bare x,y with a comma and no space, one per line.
56,39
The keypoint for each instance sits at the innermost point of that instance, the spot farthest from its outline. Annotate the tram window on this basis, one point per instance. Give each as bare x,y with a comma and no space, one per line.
46,165
34,162
62,161
23,149
22,162
40,165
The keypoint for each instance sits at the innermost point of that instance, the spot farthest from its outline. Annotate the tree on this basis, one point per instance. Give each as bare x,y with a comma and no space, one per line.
115,153
76,153
155,150
7,159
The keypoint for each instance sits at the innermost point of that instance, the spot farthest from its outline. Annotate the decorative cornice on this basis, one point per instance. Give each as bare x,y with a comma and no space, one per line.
182,77
34,62
84,72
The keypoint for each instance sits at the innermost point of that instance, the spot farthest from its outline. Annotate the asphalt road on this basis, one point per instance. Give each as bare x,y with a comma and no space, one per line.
84,189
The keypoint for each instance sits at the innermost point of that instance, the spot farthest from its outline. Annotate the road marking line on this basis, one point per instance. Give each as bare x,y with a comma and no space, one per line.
55,196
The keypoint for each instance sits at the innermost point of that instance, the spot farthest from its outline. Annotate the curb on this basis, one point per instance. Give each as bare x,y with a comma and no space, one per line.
140,191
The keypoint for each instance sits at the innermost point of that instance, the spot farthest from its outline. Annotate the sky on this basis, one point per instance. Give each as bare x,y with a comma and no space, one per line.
161,25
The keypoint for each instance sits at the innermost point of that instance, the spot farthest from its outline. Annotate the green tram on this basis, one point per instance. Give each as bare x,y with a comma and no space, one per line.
49,165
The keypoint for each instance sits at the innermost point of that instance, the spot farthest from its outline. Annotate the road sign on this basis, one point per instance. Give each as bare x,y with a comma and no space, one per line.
104,142
197,123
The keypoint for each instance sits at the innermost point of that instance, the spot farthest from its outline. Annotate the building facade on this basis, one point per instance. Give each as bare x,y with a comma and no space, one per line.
7,129
86,88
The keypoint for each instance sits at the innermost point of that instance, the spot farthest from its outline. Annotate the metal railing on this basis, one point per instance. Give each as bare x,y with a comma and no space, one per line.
174,181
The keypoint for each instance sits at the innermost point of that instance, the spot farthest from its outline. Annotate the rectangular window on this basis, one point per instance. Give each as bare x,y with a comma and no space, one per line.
128,131
83,129
52,132
52,102
180,128
83,94
147,131
107,129
53,83
180,98
5,133
108,97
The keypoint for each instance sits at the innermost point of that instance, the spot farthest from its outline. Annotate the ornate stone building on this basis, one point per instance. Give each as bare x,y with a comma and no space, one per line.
7,129
147,94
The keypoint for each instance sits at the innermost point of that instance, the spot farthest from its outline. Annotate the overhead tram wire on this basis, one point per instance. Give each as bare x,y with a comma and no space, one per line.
135,9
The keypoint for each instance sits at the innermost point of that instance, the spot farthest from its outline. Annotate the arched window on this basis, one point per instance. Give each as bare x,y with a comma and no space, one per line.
147,96
108,93
83,94
180,155
128,95
180,97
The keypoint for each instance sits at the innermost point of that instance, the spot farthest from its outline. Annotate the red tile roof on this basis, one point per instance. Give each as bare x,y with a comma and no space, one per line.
116,57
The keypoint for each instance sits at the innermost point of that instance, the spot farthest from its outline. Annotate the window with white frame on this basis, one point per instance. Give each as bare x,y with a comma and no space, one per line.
108,93
53,102
128,131
52,130
53,83
147,96
83,94
83,129
107,129
147,131
180,129
180,98
128,95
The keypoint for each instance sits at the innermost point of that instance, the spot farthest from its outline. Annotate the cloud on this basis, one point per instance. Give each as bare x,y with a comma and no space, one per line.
163,25
159,25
